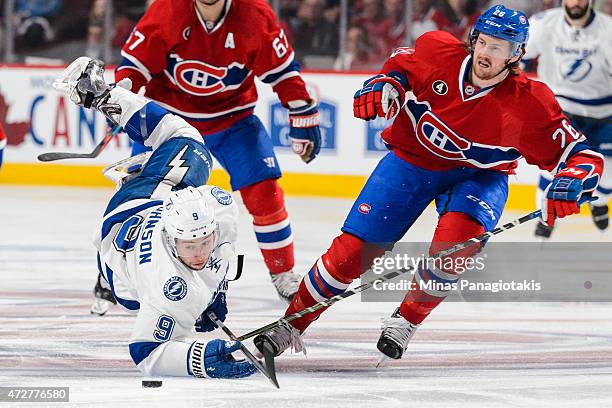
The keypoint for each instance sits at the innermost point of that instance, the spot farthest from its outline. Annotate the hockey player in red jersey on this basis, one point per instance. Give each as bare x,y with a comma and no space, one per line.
473,115
199,59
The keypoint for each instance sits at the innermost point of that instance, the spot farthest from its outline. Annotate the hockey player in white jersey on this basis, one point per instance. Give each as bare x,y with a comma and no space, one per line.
166,242
573,48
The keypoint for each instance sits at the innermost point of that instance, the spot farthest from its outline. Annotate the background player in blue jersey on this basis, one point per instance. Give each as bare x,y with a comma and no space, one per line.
166,241
572,46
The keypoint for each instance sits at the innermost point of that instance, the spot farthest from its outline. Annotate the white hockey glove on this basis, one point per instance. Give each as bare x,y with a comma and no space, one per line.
83,81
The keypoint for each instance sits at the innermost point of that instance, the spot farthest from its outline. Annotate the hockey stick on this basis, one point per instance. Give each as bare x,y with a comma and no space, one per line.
52,156
391,275
269,371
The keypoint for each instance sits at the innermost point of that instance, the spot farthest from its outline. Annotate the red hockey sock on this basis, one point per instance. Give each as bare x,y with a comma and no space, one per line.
453,227
331,275
265,202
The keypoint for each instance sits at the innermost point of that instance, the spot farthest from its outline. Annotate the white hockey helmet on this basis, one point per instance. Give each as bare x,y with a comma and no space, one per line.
186,215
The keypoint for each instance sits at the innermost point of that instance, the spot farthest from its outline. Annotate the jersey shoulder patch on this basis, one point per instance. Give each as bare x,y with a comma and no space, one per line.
222,196
175,288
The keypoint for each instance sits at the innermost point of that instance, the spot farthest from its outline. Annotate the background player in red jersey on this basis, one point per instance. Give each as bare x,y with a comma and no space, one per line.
472,117
198,59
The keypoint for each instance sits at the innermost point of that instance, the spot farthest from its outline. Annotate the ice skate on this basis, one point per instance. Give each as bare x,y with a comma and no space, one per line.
600,216
395,336
104,297
126,169
543,231
280,339
286,284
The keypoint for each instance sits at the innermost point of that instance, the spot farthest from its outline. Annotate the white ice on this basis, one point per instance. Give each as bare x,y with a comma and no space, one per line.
464,355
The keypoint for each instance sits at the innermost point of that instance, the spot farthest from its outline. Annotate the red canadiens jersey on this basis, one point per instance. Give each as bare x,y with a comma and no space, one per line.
452,124
206,74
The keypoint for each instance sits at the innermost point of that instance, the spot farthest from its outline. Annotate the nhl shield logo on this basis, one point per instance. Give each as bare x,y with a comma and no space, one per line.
440,87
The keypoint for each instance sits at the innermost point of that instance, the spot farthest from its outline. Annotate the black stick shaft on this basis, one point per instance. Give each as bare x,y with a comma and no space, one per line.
53,156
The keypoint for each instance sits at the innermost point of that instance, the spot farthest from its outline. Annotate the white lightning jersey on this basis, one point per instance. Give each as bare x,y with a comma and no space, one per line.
576,63
136,260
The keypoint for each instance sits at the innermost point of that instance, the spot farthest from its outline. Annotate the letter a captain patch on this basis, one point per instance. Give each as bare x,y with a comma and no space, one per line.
229,41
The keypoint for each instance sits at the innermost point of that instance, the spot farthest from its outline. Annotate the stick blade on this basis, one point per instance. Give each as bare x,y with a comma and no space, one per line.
269,374
53,156
269,363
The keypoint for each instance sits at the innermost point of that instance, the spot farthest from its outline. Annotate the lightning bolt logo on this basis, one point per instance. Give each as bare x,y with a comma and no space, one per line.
174,176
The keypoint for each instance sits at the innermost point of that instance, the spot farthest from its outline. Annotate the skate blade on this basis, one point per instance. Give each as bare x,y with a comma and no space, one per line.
383,358
543,241
267,370
269,364
99,307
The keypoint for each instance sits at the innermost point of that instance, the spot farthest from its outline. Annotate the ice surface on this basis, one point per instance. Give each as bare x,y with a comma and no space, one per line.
464,355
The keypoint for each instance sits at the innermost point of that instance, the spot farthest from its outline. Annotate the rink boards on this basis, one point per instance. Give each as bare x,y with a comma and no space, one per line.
39,120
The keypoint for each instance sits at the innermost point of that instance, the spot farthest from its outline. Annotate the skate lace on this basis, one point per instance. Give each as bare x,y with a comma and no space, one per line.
287,336
399,330
286,283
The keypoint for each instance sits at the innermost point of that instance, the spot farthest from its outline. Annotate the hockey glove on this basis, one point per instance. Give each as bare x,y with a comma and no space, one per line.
382,95
83,81
219,307
214,360
304,131
564,194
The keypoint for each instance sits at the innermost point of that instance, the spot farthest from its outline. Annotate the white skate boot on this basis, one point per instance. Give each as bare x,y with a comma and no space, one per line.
280,339
286,284
104,297
126,169
395,336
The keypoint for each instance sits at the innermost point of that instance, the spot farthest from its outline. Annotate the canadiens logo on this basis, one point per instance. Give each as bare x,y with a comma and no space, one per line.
364,208
439,139
202,79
